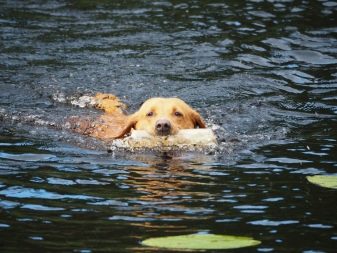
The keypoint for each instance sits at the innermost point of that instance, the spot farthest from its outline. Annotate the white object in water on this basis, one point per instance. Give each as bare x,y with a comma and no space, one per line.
186,139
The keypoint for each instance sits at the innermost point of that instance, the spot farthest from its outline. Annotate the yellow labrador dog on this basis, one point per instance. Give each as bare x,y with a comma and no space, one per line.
158,116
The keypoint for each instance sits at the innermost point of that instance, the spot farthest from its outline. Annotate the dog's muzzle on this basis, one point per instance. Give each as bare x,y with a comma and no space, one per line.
163,127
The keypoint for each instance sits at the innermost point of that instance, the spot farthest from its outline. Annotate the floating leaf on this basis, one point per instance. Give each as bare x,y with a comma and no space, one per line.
201,242
324,181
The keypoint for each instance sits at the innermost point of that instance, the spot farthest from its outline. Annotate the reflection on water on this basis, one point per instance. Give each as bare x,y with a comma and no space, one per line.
263,74
79,193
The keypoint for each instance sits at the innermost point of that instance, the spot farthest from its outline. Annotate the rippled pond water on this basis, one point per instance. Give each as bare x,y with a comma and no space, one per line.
262,73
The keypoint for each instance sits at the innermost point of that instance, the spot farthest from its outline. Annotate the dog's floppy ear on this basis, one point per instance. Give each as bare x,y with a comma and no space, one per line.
130,123
197,120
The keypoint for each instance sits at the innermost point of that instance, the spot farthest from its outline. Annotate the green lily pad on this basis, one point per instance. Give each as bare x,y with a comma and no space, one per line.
201,242
324,181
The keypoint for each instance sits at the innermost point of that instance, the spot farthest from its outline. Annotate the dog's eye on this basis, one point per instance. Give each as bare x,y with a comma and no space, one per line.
149,114
178,114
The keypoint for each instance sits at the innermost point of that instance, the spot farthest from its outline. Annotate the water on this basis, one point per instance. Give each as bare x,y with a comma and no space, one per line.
263,73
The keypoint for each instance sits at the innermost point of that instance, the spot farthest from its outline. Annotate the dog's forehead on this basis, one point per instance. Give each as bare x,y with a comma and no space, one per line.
160,102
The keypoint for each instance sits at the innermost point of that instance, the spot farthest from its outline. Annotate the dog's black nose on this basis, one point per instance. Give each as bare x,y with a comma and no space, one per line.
163,127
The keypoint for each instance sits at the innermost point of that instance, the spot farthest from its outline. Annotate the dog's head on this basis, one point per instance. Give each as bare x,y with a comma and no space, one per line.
163,116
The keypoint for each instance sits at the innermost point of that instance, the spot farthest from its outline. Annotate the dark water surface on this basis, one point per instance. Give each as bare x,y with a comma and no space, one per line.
263,74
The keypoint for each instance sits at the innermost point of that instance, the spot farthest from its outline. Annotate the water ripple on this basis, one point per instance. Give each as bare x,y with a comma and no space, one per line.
28,157
273,223
22,192
41,207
